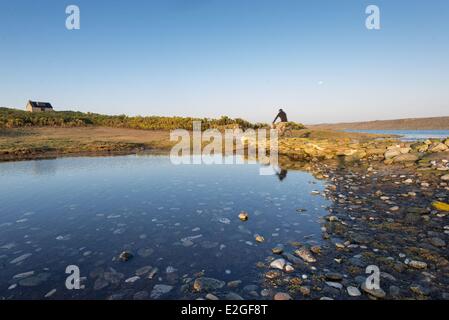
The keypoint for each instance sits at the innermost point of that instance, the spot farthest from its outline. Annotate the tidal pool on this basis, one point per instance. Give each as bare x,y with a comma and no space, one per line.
179,222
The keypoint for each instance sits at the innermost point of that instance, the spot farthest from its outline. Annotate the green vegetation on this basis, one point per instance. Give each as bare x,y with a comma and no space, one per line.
13,118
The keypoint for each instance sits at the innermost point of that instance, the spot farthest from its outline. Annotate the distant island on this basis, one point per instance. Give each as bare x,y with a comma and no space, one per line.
434,123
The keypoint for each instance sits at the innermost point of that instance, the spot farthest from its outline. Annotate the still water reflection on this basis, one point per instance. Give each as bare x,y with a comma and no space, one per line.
179,222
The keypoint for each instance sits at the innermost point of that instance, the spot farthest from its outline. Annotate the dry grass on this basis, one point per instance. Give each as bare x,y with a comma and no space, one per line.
47,142
36,142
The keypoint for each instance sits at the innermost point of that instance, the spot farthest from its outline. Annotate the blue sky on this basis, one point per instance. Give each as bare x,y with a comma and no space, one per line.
242,58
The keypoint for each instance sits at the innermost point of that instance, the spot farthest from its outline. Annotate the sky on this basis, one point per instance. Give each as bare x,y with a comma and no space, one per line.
241,58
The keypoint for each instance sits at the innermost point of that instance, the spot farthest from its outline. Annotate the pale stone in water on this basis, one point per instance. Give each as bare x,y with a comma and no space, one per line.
143,270
159,290
210,296
132,279
50,293
353,291
305,254
23,275
417,264
335,285
21,258
278,264
282,296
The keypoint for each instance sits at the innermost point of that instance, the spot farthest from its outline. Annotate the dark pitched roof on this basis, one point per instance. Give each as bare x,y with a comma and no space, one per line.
37,104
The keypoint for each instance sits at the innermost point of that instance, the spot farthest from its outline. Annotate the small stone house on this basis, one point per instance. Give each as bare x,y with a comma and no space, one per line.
34,106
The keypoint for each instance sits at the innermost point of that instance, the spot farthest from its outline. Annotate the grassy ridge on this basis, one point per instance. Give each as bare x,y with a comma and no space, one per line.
435,123
13,118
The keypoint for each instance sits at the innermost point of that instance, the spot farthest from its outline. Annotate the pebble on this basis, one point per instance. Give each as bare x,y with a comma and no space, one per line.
23,275
377,293
282,296
234,284
243,216
277,250
125,256
50,293
266,293
335,285
233,296
207,284
132,279
333,276
210,296
278,264
417,264
21,258
143,270
419,290
353,291
305,291
437,242
141,295
273,274
159,290
305,254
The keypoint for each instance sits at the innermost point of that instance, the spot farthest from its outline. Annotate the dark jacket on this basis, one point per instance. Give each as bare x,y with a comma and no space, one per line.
282,116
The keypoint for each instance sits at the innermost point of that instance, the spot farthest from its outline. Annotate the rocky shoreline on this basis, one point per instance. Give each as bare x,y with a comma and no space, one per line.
389,211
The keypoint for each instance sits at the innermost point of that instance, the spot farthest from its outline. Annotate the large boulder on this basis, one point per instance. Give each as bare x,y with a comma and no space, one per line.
439,147
408,157
391,153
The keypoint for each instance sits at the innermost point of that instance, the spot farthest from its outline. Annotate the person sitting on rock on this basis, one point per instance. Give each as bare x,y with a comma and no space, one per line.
281,126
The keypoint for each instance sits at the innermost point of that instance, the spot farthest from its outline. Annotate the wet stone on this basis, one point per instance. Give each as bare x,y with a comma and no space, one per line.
278,264
233,296
234,284
145,252
353,291
282,296
333,276
437,242
142,271
141,295
100,284
420,290
207,284
277,250
243,216
417,264
335,285
125,256
377,293
305,254
34,280
21,258
273,274
159,290
210,296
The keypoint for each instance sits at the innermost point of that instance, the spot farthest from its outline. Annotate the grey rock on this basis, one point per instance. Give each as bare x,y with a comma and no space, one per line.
207,284
377,293
353,291
159,290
